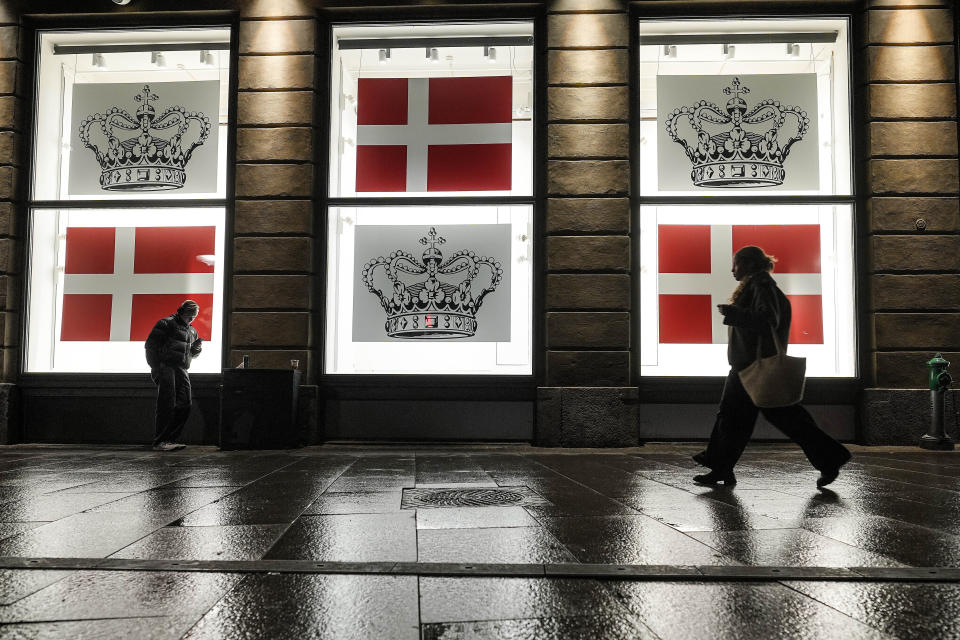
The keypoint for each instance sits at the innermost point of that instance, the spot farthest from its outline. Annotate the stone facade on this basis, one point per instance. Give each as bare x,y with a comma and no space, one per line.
912,210
273,261
588,298
11,212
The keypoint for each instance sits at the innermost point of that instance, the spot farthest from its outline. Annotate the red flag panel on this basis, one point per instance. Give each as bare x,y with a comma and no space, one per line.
90,249
86,317
683,248
795,246
382,101
381,168
469,167
806,324
150,307
471,100
685,319
173,249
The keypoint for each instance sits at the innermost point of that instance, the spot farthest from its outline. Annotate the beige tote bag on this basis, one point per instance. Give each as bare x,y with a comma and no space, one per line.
776,381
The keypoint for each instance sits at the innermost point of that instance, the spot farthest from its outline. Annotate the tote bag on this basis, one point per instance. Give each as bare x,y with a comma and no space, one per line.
776,381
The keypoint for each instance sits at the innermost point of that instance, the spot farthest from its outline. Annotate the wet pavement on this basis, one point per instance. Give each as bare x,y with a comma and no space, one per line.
474,542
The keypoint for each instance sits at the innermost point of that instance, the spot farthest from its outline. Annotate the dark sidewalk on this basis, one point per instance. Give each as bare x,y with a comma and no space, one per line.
474,542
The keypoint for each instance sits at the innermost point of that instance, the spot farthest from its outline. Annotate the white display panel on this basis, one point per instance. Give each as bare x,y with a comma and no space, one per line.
685,271
457,122
501,341
174,158
99,279
803,76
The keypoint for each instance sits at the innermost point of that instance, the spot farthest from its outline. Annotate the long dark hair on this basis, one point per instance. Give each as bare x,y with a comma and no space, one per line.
753,260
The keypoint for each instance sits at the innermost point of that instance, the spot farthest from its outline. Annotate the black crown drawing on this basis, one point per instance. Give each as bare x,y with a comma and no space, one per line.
432,308
132,156
737,157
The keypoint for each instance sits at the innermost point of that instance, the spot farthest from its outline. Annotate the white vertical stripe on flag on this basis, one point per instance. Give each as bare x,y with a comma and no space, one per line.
721,260
122,307
417,135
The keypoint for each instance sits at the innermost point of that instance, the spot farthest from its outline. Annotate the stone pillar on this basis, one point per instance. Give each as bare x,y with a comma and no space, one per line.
273,277
914,217
587,400
11,227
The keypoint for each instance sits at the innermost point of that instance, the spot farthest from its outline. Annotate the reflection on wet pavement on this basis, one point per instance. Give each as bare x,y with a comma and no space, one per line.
889,508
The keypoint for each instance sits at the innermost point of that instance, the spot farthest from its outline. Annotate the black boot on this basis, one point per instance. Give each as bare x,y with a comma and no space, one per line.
714,477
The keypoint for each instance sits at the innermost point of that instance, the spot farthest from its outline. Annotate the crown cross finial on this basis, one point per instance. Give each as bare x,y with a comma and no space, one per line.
432,239
146,96
736,89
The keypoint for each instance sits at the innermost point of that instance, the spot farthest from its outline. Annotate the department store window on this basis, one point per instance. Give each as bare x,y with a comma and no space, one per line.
128,194
744,139
442,113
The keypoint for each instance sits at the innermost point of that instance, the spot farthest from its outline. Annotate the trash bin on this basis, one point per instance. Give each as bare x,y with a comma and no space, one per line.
258,409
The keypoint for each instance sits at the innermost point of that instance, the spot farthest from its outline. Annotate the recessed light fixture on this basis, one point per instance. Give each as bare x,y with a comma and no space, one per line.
383,55
793,49
156,57
98,61
206,57
433,55
490,54
669,51
729,50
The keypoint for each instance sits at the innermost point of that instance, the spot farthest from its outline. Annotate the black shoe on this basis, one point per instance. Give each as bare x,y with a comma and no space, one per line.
712,478
830,474
701,459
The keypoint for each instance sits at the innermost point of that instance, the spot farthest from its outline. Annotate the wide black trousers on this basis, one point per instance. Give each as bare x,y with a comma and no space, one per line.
737,417
174,397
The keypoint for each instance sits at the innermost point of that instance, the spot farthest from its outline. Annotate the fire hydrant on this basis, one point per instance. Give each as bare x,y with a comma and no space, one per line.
936,437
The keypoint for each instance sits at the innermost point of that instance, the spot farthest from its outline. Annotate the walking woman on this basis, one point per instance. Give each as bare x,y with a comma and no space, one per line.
757,306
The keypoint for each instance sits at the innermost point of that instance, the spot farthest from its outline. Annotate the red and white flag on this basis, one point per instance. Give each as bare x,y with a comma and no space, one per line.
434,134
118,281
694,263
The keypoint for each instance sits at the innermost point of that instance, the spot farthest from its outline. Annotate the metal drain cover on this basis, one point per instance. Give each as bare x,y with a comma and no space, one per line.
439,497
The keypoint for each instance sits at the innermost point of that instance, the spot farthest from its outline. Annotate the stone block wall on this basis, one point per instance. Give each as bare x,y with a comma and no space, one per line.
11,229
913,209
273,280
588,321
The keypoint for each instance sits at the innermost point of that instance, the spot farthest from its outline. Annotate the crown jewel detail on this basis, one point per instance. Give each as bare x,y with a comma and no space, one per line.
435,307
132,156
737,157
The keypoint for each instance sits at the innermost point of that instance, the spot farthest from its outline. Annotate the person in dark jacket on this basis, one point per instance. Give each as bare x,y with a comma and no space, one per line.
756,306
171,347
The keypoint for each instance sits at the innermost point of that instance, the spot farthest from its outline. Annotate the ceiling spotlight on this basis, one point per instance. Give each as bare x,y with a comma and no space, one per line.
98,61
206,57
669,51
729,50
383,55
156,57
793,49
433,55
490,54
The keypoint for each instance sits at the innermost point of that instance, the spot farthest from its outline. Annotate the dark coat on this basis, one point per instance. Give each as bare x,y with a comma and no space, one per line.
171,342
760,306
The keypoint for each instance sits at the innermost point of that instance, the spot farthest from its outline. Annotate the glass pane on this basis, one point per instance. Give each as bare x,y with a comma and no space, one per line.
765,113
686,253
451,117
131,124
100,279
442,290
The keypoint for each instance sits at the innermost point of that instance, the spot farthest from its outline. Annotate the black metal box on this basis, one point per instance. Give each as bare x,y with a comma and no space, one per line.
258,409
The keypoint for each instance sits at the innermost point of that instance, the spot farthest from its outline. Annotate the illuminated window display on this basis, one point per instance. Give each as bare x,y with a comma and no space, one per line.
442,112
138,116
744,129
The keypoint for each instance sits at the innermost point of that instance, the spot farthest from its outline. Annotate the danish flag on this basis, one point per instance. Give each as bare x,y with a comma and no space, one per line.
434,134
694,263
118,281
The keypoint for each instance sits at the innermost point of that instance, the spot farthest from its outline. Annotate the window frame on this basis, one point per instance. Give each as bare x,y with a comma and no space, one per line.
705,388
435,385
34,26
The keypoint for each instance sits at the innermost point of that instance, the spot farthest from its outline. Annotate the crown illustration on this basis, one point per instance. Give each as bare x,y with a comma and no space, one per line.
432,308
132,157
738,157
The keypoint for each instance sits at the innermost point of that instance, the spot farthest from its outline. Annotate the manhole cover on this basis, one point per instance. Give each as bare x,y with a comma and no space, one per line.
478,497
